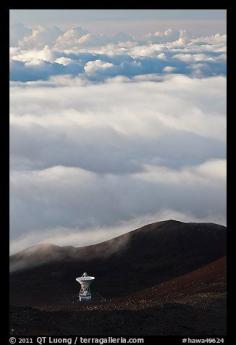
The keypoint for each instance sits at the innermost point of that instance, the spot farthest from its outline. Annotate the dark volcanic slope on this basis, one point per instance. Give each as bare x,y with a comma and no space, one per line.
140,259
207,280
192,304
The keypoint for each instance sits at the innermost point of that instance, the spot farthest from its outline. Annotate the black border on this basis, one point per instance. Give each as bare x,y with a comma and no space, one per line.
4,135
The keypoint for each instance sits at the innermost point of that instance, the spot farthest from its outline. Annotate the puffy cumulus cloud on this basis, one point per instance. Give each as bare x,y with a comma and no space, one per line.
169,69
90,161
167,51
63,60
109,133
169,35
216,40
76,38
70,38
29,56
92,67
39,37
198,57
39,69
104,66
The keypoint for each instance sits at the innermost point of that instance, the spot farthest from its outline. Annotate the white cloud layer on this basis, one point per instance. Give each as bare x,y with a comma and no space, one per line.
41,53
74,236
111,133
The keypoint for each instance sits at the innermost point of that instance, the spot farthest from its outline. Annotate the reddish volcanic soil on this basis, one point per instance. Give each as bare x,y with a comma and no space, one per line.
168,278
210,279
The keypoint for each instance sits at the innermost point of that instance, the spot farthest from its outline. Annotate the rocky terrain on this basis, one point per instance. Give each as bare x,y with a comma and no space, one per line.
166,278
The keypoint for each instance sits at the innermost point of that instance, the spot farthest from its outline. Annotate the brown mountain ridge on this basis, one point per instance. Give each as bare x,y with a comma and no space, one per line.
164,270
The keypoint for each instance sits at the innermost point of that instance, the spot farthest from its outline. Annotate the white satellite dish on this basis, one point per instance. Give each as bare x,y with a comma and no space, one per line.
85,282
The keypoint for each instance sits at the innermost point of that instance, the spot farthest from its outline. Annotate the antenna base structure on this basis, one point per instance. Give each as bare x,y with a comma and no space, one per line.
85,282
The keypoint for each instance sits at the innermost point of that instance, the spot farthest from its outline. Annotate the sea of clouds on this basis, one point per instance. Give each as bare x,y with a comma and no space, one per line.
108,133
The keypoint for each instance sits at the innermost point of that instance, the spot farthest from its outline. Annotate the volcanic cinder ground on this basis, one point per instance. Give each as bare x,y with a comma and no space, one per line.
166,278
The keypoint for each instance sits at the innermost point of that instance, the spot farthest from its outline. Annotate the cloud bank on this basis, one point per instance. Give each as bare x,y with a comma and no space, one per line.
109,133
41,53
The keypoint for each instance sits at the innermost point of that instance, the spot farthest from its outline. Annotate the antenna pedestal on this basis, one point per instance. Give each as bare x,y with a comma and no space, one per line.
85,281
